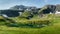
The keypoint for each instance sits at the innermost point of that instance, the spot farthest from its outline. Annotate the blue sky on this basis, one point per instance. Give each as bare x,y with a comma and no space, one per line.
5,4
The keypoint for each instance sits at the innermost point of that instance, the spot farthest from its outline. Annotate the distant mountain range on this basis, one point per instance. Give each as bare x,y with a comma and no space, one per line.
21,8
58,7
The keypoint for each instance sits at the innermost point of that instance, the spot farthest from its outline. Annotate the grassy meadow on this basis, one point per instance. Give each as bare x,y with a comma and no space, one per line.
49,24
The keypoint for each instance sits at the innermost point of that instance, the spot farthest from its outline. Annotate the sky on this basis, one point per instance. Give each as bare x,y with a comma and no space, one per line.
6,4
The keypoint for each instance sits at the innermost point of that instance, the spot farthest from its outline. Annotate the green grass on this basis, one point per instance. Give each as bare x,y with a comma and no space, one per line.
16,22
52,29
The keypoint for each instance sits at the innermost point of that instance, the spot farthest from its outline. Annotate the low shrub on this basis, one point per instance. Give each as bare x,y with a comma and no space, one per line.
34,23
27,23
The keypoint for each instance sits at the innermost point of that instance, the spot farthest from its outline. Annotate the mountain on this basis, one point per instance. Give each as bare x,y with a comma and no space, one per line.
22,7
14,11
58,7
10,13
18,7
29,8
50,8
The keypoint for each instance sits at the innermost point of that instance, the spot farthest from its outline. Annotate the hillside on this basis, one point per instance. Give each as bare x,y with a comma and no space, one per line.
8,27
20,9
31,21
